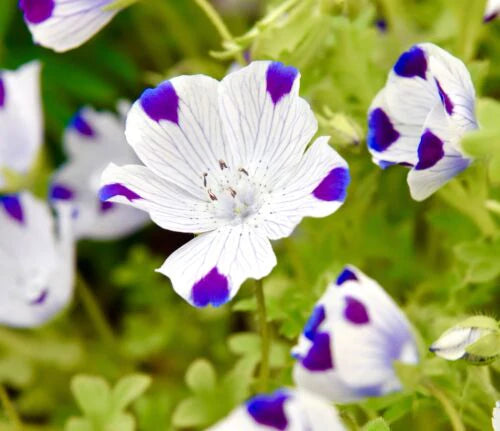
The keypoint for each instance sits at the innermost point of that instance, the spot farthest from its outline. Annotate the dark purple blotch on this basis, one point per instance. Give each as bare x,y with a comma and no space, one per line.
490,17
81,125
111,190
334,186
161,103
41,298
381,25
346,275
269,410
106,206
355,311
279,80
61,192
37,11
430,150
212,289
2,93
412,63
317,317
12,206
381,132
319,357
448,104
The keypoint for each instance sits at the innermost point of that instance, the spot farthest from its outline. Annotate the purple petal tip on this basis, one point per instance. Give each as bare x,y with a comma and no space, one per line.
355,311
269,410
346,275
111,190
280,79
430,150
37,11
381,132
161,103
61,192
81,125
212,289
334,186
319,357
412,63
12,206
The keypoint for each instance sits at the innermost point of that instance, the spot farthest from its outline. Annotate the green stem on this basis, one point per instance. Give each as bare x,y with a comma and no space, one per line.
456,421
10,410
265,336
94,312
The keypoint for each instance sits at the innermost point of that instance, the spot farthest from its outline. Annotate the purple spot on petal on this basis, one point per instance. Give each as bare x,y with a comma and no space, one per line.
412,63
381,132
81,125
430,150
319,356
279,80
161,103
346,275
355,311
315,320
61,192
490,17
12,206
445,99
212,289
36,11
2,93
111,190
106,206
269,410
41,298
381,25
334,186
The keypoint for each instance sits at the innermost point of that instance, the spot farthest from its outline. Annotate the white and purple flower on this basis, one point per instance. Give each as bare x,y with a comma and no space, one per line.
492,10
36,261
351,341
21,133
62,25
283,410
226,160
419,117
92,140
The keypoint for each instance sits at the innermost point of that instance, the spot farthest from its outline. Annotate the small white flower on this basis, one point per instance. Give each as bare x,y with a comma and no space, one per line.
495,420
492,10
20,118
283,410
92,140
351,341
419,117
226,160
62,25
36,262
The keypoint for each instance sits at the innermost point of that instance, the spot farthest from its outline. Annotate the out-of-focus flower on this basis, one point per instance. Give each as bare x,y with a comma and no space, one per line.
62,25
283,410
349,345
226,161
419,117
36,260
456,342
21,132
492,10
495,420
92,140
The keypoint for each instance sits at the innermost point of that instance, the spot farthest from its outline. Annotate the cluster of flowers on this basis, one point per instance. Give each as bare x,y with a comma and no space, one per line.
228,161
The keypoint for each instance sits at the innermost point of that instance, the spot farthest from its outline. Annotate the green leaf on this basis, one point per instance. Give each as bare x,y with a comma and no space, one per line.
409,375
92,394
378,424
78,424
483,271
122,422
191,412
488,113
244,343
200,376
128,389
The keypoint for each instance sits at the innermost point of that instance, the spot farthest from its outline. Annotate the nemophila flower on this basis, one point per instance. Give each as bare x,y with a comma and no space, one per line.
495,420
36,261
226,160
92,140
349,345
419,117
62,25
492,10
283,410
20,118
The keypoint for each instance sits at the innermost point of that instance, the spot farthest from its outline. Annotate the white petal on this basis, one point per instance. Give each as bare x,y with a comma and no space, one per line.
176,131
65,24
210,268
452,344
36,268
20,117
169,206
315,188
491,12
265,120
495,420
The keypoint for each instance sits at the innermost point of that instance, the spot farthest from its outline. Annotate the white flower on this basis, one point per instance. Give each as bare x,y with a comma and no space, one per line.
495,420
351,341
62,25
36,262
226,160
419,117
92,140
283,410
20,118
492,10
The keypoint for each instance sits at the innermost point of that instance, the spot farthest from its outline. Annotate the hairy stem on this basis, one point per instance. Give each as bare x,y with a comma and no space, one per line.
10,410
265,336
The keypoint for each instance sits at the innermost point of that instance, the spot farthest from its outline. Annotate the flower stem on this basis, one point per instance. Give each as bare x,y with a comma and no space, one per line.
456,422
10,410
94,312
265,336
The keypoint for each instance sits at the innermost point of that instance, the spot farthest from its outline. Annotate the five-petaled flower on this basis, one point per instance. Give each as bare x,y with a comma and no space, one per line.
282,410
419,117
62,25
226,160
92,140
20,118
349,345
36,261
